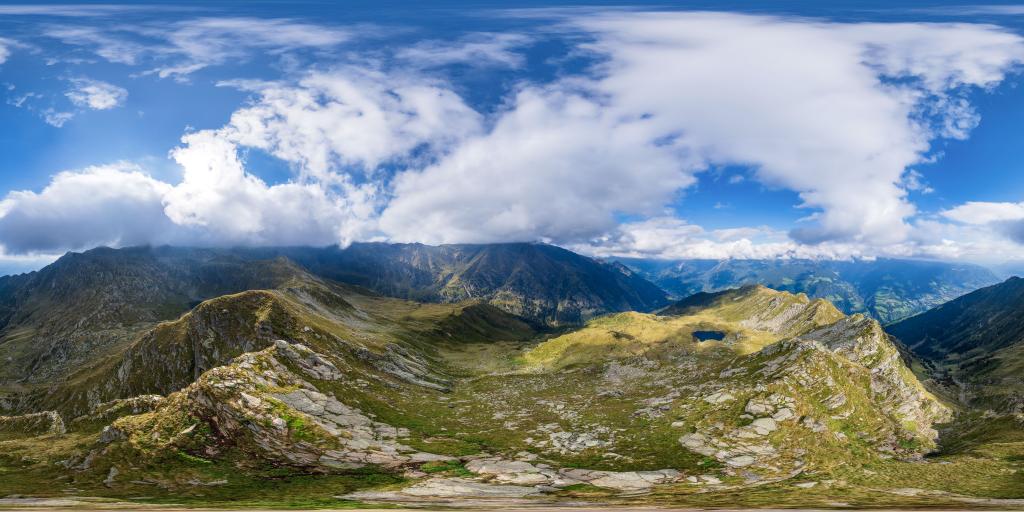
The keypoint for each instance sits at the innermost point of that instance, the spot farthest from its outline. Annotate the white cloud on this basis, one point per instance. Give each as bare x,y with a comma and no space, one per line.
21,263
106,205
979,212
675,95
56,118
557,166
837,112
223,204
212,41
115,49
96,94
973,10
184,47
351,118
5,49
215,203
672,238
480,49
1004,220
78,10
810,105
84,93
914,181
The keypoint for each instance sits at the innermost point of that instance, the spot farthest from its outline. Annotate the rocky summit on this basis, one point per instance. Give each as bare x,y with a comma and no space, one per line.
230,378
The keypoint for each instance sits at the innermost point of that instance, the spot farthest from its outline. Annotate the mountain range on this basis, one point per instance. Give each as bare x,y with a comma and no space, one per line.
522,373
974,345
887,289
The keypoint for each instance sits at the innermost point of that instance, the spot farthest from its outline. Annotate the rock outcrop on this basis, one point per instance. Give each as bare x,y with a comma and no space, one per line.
265,400
29,425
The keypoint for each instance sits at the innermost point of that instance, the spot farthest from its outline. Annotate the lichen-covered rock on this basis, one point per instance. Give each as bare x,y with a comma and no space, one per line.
312,364
447,488
107,412
525,473
863,341
29,425
278,414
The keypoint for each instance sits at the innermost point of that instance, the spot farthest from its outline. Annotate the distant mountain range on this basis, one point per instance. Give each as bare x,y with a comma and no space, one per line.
887,289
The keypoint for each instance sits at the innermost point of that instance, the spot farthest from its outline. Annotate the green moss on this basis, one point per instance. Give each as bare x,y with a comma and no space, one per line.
192,459
300,427
450,468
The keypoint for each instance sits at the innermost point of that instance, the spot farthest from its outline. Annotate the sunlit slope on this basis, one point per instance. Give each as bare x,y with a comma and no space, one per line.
348,383
775,396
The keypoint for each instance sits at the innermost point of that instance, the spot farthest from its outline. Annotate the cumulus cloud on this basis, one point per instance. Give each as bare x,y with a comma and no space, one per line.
1006,219
557,165
672,238
221,203
216,203
980,212
107,205
325,121
351,118
95,94
837,112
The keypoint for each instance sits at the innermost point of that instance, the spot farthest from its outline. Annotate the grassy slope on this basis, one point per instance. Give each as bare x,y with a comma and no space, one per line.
626,378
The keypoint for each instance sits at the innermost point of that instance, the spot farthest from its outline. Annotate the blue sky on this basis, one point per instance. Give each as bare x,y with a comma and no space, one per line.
672,130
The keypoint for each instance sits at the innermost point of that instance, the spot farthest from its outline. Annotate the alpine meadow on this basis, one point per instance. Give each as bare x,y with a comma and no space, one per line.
538,255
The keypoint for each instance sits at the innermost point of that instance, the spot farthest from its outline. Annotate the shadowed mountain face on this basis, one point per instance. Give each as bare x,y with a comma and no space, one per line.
888,290
542,283
976,343
86,306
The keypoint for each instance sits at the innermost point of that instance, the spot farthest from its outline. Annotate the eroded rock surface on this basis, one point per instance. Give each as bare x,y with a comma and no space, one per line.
282,415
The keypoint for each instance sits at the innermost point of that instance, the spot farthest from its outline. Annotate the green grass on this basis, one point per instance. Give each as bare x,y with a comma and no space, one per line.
448,468
508,393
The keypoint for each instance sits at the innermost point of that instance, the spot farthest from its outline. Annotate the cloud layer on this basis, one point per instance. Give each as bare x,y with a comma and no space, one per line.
187,46
837,112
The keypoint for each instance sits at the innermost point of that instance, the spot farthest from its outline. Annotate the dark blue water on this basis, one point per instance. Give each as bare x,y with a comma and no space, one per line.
709,335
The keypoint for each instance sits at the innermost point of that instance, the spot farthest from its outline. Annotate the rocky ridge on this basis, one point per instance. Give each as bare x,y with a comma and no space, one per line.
466,402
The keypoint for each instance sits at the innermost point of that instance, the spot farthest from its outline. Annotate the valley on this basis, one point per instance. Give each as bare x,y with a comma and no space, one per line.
286,387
